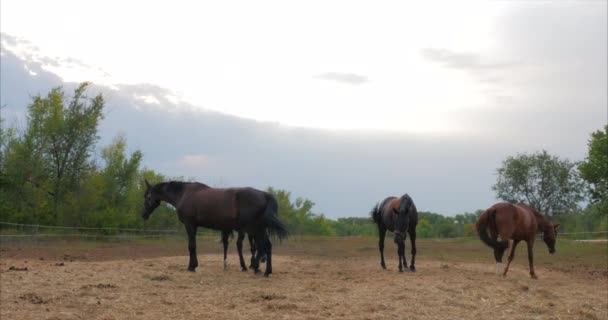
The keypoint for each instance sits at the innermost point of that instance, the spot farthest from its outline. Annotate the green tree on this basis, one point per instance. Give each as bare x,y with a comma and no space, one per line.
545,182
298,215
120,172
594,169
58,141
424,229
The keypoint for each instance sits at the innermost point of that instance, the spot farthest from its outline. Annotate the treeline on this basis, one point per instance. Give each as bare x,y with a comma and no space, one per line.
50,176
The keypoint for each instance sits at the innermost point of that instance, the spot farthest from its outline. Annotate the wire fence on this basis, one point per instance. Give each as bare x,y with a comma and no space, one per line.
17,230
40,226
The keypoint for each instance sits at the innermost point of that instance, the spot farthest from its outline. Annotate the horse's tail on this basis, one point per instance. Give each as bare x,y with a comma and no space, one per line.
271,218
376,214
488,219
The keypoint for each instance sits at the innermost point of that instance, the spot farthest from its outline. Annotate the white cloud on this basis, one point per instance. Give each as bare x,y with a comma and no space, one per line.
195,161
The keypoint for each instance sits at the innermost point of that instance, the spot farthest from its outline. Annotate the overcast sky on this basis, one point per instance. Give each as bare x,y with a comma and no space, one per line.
342,102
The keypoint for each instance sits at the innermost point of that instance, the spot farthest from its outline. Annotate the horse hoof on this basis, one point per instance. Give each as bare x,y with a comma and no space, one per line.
266,274
413,269
533,276
244,269
400,270
256,271
383,266
191,270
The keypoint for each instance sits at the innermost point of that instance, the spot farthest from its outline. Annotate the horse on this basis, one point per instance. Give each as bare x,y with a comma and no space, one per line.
517,222
239,246
398,215
246,210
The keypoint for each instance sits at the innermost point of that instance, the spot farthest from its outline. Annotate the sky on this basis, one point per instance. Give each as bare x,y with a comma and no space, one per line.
342,102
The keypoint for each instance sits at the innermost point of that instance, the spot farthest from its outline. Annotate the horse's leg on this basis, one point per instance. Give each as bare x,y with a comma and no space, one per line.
225,235
530,243
191,230
239,247
382,233
413,242
401,253
268,250
252,248
259,247
511,255
498,253
261,252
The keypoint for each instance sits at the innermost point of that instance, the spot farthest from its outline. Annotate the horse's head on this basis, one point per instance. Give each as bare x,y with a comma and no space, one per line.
549,236
402,221
151,201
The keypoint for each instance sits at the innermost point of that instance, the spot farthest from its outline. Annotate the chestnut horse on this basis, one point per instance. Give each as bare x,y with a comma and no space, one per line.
517,222
246,210
398,215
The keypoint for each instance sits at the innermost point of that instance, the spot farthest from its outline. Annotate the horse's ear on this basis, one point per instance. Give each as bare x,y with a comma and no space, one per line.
147,183
555,226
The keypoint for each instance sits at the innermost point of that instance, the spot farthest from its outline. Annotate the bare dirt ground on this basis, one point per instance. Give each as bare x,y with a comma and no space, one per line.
324,278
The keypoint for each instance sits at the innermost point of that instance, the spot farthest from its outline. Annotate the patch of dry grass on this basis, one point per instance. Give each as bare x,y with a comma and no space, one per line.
319,279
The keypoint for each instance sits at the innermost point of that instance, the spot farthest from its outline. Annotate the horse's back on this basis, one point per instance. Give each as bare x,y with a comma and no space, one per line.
513,221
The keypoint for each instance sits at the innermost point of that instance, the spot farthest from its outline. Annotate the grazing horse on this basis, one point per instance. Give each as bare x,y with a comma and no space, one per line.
398,215
246,210
515,222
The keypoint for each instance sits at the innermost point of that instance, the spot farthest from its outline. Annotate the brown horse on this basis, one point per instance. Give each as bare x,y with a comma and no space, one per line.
246,210
398,215
517,222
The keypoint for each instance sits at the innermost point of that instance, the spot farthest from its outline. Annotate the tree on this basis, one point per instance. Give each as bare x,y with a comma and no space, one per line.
594,169
545,182
52,156
120,172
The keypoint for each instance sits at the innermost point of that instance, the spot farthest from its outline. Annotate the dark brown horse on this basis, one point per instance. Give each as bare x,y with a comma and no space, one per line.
226,235
246,210
517,222
398,215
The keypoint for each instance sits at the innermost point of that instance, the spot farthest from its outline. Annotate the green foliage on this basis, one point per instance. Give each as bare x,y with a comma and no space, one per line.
48,177
298,215
545,182
594,170
354,227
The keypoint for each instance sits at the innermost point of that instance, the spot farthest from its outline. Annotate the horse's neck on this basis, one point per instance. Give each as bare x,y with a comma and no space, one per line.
541,221
171,197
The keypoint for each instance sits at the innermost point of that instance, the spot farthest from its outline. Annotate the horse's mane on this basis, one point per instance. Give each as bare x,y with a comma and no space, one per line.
406,197
177,186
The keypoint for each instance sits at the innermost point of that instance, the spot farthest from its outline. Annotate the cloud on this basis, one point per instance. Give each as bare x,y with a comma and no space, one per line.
348,78
462,60
33,58
195,161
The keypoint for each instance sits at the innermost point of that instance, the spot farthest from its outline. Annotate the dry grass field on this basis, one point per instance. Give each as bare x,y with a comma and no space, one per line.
314,278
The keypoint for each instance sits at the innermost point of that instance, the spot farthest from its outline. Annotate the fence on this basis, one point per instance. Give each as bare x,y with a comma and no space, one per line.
18,229
19,232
